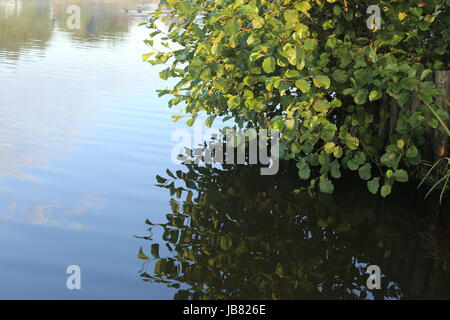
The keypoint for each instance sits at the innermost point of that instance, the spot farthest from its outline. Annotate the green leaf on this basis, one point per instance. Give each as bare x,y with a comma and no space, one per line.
339,76
401,175
296,148
389,173
424,25
303,85
190,122
326,186
375,95
147,56
353,165
220,84
360,157
336,103
373,55
258,22
232,28
389,159
338,152
428,98
373,185
403,98
324,158
425,73
322,105
165,74
290,124
277,125
292,73
335,172
336,9
321,81
351,142
291,16
303,6
329,147
177,117
209,121
303,169
412,152
234,102
385,190
402,15
269,65
328,131
361,96
365,172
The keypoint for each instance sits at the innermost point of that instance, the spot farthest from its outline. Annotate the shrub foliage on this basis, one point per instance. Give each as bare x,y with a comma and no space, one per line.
344,96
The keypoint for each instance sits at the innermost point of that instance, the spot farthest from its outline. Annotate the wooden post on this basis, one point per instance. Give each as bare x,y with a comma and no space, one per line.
441,138
383,128
415,102
394,113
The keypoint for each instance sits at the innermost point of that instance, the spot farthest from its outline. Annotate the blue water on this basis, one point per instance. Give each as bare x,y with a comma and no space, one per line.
82,136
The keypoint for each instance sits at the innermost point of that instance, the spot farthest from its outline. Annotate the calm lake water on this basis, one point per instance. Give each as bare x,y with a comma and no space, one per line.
83,135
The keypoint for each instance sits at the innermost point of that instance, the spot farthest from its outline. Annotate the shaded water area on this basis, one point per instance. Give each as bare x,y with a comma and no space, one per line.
83,134
234,234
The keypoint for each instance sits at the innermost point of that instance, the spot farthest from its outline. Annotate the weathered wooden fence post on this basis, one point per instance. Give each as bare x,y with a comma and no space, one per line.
441,138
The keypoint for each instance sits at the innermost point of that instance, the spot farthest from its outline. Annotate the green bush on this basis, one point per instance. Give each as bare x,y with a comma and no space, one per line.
344,97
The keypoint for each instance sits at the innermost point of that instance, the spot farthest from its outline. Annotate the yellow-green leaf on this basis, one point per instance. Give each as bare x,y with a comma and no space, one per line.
351,142
321,81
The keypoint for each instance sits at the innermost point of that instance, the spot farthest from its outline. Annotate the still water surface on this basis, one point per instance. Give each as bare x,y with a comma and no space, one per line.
83,135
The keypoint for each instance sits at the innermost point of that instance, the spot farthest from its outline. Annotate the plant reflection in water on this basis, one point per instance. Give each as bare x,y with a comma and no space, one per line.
234,234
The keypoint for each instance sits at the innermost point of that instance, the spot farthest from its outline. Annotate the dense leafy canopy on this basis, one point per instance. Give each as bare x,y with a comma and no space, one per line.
344,96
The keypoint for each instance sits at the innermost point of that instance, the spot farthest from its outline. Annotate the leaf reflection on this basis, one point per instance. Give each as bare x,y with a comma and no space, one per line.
233,234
